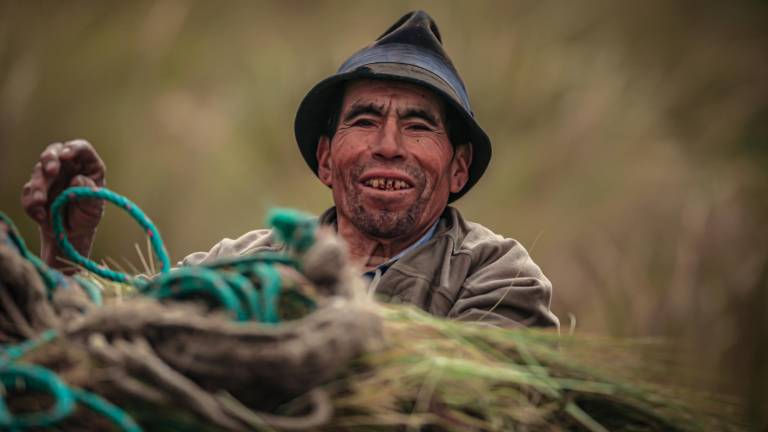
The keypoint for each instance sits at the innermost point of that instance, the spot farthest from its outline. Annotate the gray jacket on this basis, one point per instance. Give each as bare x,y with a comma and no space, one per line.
465,272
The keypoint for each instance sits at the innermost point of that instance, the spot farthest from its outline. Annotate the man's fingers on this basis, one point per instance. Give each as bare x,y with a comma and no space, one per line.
81,154
74,163
34,194
49,159
75,146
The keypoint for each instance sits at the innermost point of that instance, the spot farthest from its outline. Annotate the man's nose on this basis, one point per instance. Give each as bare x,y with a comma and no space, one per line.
389,144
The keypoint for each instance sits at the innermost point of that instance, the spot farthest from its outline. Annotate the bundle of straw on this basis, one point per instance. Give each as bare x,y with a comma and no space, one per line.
419,372
430,373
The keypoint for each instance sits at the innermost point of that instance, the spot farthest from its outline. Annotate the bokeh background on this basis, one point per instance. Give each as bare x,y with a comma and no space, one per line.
630,140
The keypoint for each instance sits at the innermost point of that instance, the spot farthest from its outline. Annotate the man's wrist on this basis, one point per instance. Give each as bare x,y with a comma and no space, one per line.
54,257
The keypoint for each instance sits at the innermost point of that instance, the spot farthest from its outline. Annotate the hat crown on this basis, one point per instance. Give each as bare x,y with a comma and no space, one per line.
414,39
417,28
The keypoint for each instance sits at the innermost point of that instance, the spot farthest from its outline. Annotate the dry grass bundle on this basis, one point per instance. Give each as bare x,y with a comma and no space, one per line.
444,375
433,374
174,367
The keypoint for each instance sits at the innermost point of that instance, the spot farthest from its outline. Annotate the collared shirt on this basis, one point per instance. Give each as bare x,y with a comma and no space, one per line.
375,274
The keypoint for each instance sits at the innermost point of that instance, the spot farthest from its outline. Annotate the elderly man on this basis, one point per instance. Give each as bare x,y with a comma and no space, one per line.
393,135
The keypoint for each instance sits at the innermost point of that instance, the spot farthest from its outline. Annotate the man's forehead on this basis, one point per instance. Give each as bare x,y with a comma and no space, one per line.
380,94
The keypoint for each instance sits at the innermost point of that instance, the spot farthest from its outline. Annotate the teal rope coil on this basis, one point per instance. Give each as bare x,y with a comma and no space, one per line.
51,278
222,281
270,288
294,228
35,378
103,407
246,293
93,291
183,282
9,354
82,192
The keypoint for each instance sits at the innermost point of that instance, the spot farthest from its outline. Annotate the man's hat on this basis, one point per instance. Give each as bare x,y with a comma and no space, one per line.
411,51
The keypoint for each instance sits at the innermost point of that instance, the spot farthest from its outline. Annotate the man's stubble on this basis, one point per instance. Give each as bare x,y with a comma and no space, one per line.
385,223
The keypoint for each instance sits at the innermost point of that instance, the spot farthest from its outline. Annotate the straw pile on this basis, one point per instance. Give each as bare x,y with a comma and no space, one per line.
428,373
351,364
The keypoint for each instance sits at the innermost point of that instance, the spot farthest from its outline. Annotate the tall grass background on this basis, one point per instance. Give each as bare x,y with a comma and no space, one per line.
630,141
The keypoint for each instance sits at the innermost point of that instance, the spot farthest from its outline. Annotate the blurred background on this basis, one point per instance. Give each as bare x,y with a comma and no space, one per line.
630,140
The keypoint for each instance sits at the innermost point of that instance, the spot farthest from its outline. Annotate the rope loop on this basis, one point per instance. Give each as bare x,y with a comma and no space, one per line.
83,192
13,377
249,288
51,278
184,282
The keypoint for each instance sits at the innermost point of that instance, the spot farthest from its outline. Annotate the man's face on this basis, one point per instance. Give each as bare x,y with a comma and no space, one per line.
390,163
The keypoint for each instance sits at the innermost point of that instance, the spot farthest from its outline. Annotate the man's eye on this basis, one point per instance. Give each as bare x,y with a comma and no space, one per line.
363,123
419,127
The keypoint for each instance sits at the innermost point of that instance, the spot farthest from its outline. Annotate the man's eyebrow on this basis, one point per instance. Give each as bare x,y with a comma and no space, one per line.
419,113
367,108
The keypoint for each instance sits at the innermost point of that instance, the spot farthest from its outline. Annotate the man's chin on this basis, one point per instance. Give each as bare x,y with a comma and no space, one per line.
385,224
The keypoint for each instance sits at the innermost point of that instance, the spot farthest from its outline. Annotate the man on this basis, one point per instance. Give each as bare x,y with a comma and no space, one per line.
393,135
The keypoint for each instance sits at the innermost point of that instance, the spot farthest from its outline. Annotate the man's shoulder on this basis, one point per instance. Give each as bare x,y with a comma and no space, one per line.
253,241
471,235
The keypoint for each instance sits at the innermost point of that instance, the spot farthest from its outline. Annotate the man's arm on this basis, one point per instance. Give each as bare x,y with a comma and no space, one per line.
505,288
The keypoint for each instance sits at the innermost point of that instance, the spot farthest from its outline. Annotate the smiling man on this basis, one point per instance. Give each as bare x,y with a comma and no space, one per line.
391,165
393,135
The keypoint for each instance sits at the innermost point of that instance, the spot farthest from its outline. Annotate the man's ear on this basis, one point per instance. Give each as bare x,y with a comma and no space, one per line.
324,164
462,159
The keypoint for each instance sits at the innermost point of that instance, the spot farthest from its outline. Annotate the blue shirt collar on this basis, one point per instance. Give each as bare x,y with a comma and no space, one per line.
387,264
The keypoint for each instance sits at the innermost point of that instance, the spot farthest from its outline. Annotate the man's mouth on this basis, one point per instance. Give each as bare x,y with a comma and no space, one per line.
387,184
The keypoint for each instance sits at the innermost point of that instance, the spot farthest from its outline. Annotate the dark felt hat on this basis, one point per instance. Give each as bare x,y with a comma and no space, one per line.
411,51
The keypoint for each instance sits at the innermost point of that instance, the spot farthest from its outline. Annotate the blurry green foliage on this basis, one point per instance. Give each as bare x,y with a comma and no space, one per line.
629,138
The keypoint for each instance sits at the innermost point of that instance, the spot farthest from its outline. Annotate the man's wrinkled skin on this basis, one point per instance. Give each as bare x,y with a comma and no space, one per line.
392,133
62,165
390,163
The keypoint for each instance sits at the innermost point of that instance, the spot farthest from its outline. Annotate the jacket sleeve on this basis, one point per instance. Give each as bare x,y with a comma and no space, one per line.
250,242
504,287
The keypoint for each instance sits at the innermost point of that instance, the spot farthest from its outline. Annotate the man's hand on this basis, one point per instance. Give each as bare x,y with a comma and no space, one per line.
74,163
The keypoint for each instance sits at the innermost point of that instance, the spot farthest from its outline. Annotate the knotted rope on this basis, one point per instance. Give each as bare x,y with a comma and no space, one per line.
232,291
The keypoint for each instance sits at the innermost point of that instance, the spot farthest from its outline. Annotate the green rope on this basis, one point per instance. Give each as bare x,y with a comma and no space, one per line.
9,354
270,288
40,379
93,291
223,281
102,406
51,278
37,378
246,293
184,282
82,192
294,228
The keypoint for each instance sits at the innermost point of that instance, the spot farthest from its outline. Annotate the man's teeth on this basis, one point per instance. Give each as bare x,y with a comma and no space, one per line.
387,184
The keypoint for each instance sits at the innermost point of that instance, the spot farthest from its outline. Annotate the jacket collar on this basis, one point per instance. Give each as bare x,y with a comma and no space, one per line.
451,225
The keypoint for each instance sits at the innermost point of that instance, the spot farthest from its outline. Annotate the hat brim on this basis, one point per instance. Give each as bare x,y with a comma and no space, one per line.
312,115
